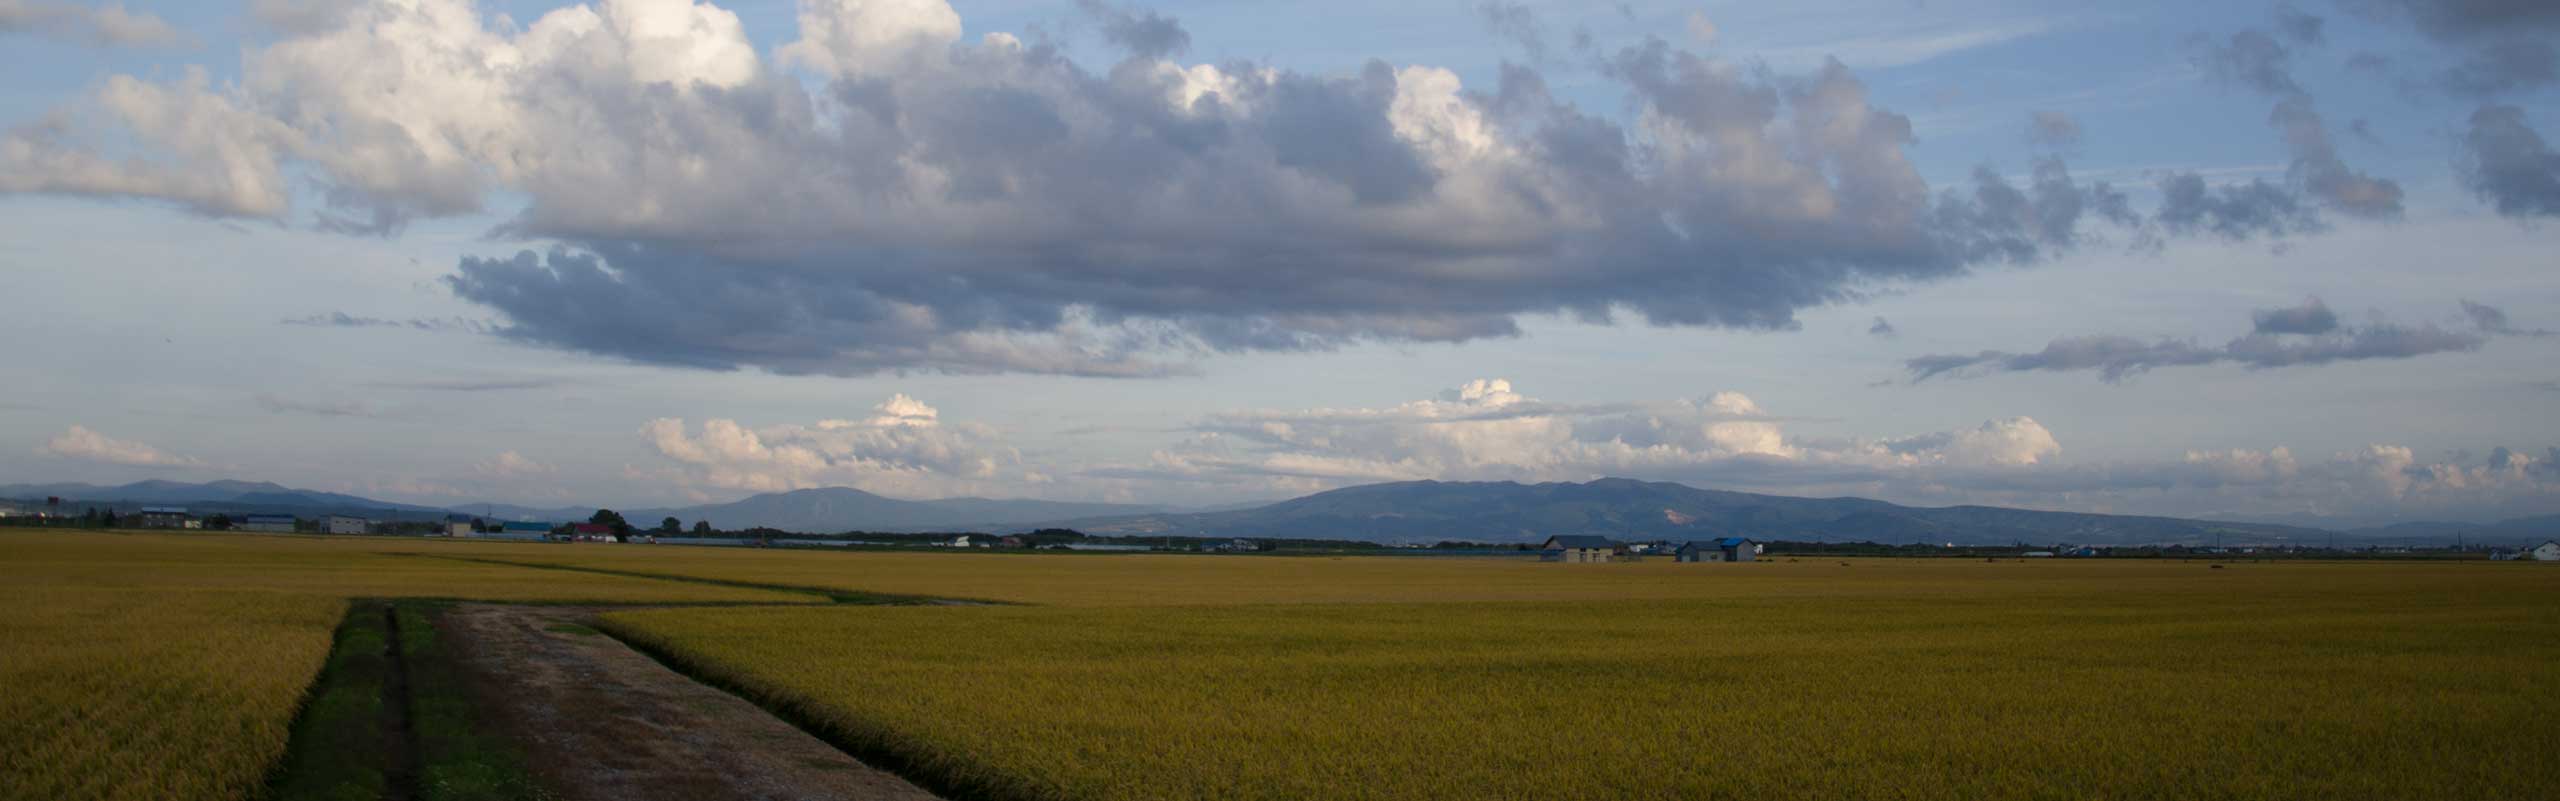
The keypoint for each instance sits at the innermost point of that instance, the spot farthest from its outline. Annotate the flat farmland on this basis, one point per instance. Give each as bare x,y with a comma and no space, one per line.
156,666
1055,579
1882,679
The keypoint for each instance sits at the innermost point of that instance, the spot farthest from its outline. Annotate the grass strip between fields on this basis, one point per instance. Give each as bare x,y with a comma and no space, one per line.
391,717
838,596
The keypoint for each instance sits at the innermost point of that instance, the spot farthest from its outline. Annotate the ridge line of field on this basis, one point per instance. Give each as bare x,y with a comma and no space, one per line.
833,595
872,751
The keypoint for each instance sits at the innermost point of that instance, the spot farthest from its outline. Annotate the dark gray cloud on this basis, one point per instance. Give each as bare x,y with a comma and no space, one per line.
2251,58
2052,129
2292,337
1142,32
2503,67
1883,329
2493,320
2256,60
993,206
1515,23
2312,317
2189,206
2297,26
345,320
2505,162
2507,45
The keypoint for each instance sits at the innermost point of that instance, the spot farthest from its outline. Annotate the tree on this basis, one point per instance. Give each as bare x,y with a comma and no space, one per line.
702,528
610,519
670,526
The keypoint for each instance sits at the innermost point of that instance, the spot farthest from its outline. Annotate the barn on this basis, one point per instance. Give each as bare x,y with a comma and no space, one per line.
1578,548
2548,551
1728,549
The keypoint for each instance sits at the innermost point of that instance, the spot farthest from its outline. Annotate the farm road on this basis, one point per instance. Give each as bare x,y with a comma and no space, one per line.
603,722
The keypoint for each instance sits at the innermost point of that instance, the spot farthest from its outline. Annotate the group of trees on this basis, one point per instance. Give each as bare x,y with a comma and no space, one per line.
669,527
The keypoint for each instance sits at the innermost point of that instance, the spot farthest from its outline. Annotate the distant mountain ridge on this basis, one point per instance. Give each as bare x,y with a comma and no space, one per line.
1627,509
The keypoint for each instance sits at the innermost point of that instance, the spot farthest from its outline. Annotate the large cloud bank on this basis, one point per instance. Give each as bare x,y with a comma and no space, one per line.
879,193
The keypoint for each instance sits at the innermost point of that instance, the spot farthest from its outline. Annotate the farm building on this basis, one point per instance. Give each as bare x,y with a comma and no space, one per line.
1729,549
590,532
167,517
2548,551
274,523
1577,548
348,524
519,530
459,525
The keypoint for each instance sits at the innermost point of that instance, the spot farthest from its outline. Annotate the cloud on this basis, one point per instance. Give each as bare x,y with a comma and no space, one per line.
303,16
901,447
880,195
1701,30
2297,26
2505,46
2052,129
2255,59
345,320
1143,33
1515,23
2505,162
108,25
1883,329
78,442
2286,337
470,384
2493,320
321,408
1487,430
2312,317
510,464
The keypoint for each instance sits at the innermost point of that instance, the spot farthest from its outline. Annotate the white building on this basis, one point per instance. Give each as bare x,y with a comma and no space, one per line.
2548,551
349,524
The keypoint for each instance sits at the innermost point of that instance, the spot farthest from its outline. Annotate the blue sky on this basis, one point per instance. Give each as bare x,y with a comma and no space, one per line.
1204,252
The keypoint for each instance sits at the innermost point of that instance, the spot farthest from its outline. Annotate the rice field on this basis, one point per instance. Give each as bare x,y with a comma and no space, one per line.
151,666
1054,579
1880,680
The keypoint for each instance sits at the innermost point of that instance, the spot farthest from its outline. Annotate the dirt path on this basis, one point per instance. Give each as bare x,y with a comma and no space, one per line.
600,721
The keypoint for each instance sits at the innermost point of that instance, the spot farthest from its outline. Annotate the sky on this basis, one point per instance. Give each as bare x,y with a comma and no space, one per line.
2285,262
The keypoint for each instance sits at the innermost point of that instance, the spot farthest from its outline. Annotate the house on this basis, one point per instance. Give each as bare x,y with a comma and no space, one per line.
2548,551
166,517
459,525
349,524
272,523
590,532
957,541
1577,548
1010,541
1728,549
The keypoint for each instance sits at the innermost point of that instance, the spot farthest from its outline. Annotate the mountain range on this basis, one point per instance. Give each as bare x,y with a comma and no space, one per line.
1401,512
